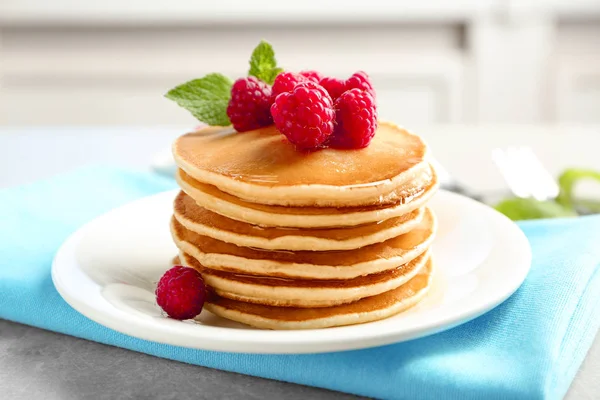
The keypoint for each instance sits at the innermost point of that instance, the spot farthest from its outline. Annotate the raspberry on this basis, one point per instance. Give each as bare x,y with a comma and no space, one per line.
359,80
335,87
285,82
181,292
249,105
356,118
312,76
304,115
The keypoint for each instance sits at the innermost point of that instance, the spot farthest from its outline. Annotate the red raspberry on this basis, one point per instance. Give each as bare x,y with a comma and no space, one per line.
181,292
304,115
249,104
359,80
356,118
285,82
312,76
334,86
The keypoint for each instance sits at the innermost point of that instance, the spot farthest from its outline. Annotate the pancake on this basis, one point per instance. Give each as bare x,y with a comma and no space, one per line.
304,293
262,166
213,199
215,254
208,223
365,310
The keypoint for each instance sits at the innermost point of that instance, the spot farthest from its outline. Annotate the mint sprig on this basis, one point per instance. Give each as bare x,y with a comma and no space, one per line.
263,64
206,98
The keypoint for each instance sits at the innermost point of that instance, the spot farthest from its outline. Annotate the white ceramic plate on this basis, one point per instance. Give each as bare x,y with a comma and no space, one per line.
108,269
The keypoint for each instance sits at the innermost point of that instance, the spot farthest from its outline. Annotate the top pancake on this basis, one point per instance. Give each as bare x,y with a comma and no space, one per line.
262,166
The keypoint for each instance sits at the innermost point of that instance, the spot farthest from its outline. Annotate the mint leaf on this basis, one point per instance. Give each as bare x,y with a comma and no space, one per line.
206,98
519,209
263,64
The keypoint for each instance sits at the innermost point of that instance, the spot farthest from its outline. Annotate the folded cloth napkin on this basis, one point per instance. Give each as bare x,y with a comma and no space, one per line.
530,347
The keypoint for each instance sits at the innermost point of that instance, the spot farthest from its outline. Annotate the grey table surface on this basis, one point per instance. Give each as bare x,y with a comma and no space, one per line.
44,365
37,364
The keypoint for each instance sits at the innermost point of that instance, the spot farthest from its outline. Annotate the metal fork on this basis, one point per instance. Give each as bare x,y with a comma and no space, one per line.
524,173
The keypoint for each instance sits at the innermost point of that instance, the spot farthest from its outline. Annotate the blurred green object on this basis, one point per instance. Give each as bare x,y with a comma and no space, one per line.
518,209
587,206
567,181
565,205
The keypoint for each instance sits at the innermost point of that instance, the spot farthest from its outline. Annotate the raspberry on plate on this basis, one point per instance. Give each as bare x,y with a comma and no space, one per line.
285,82
305,115
356,118
359,80
312,76
181,292
249,106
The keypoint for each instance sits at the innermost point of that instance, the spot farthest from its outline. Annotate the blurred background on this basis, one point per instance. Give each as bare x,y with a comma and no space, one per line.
103,63
82,82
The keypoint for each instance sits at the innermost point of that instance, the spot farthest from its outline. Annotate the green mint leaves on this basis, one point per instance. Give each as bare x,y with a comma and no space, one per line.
207,98
263,64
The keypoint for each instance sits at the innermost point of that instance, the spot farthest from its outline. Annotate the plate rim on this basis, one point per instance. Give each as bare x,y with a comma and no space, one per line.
282,342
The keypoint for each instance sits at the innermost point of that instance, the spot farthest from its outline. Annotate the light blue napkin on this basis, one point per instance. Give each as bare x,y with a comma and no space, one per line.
530,347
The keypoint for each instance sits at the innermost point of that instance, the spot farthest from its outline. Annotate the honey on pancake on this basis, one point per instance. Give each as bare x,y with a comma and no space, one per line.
365,310
211,198
265,157
287,239
306,293
402,195
298,314
186,207
306,283
388,249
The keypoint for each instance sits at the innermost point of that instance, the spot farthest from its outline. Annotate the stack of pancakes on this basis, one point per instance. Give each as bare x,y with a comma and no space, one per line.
294,240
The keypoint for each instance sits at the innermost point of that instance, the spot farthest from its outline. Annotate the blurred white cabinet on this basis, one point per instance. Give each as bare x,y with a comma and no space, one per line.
577,85
433,61
118,75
